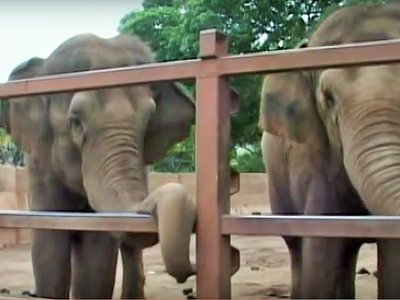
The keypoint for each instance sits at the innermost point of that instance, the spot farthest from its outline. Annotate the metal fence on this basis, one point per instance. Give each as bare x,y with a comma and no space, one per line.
213,107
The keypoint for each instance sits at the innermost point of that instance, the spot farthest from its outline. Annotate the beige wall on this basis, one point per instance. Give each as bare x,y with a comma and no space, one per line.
253,195
13,196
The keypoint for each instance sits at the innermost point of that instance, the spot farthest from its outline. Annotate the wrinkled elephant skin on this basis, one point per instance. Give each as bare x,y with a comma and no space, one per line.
331,144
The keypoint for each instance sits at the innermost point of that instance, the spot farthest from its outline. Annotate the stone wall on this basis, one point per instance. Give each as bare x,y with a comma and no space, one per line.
13,196
253,195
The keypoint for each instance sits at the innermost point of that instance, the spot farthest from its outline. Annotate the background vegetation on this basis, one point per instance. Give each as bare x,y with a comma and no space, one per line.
171,28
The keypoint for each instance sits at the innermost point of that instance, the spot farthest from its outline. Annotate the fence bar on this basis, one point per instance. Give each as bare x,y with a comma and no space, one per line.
213,176
181,70
273,61
317,226
272,225
128,222
360,54
3,296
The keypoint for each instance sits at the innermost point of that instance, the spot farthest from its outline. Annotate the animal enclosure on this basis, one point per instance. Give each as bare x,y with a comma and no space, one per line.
214,103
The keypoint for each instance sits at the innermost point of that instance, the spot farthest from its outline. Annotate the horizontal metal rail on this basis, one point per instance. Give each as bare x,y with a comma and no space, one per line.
128,222
313,226
105,78
346,55
231,65
272,225
3,296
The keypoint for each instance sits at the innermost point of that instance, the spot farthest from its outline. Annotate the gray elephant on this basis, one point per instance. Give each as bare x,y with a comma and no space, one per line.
88,151
331,143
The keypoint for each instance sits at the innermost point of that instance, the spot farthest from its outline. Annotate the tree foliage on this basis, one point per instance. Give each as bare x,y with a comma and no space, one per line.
10,153
171,28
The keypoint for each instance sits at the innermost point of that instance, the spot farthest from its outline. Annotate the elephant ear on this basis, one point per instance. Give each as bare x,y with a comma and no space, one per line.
171,122
288,108
25,117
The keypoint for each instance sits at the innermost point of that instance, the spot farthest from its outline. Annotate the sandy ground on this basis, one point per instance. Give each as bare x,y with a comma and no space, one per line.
264,271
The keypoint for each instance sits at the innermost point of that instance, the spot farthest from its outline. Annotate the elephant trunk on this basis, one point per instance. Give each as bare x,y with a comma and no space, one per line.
114,175
119,183
175,211
371,150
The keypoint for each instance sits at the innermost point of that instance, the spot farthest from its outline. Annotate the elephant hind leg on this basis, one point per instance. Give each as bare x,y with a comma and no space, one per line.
95,257
133,273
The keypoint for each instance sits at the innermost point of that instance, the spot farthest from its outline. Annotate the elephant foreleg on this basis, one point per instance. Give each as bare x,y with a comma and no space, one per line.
133,273
295,251
388,269
51,263
346,286
320,261
95,257
50,249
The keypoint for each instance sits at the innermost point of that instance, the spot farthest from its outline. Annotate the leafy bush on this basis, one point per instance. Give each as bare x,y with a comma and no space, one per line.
10,153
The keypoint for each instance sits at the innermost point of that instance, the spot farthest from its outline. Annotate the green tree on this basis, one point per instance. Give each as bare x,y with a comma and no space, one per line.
171,28
180,158
10,153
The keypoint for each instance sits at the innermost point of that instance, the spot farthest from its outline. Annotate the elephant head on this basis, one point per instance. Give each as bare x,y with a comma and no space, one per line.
348,115
99,142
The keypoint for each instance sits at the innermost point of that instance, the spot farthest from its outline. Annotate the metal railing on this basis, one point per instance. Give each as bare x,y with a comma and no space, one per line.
213,107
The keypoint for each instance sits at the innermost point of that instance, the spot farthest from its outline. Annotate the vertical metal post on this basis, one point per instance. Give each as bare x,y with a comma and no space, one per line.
212,167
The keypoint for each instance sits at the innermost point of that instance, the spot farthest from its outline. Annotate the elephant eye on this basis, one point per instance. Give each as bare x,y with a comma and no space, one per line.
74,122
329,98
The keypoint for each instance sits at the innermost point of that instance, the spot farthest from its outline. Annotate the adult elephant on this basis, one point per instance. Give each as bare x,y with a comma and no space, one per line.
331,143
88,151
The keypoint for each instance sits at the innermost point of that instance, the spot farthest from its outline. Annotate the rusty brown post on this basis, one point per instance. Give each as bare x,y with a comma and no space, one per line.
212,168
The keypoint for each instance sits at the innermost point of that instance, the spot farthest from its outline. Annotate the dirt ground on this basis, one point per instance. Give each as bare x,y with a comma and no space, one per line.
264,271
